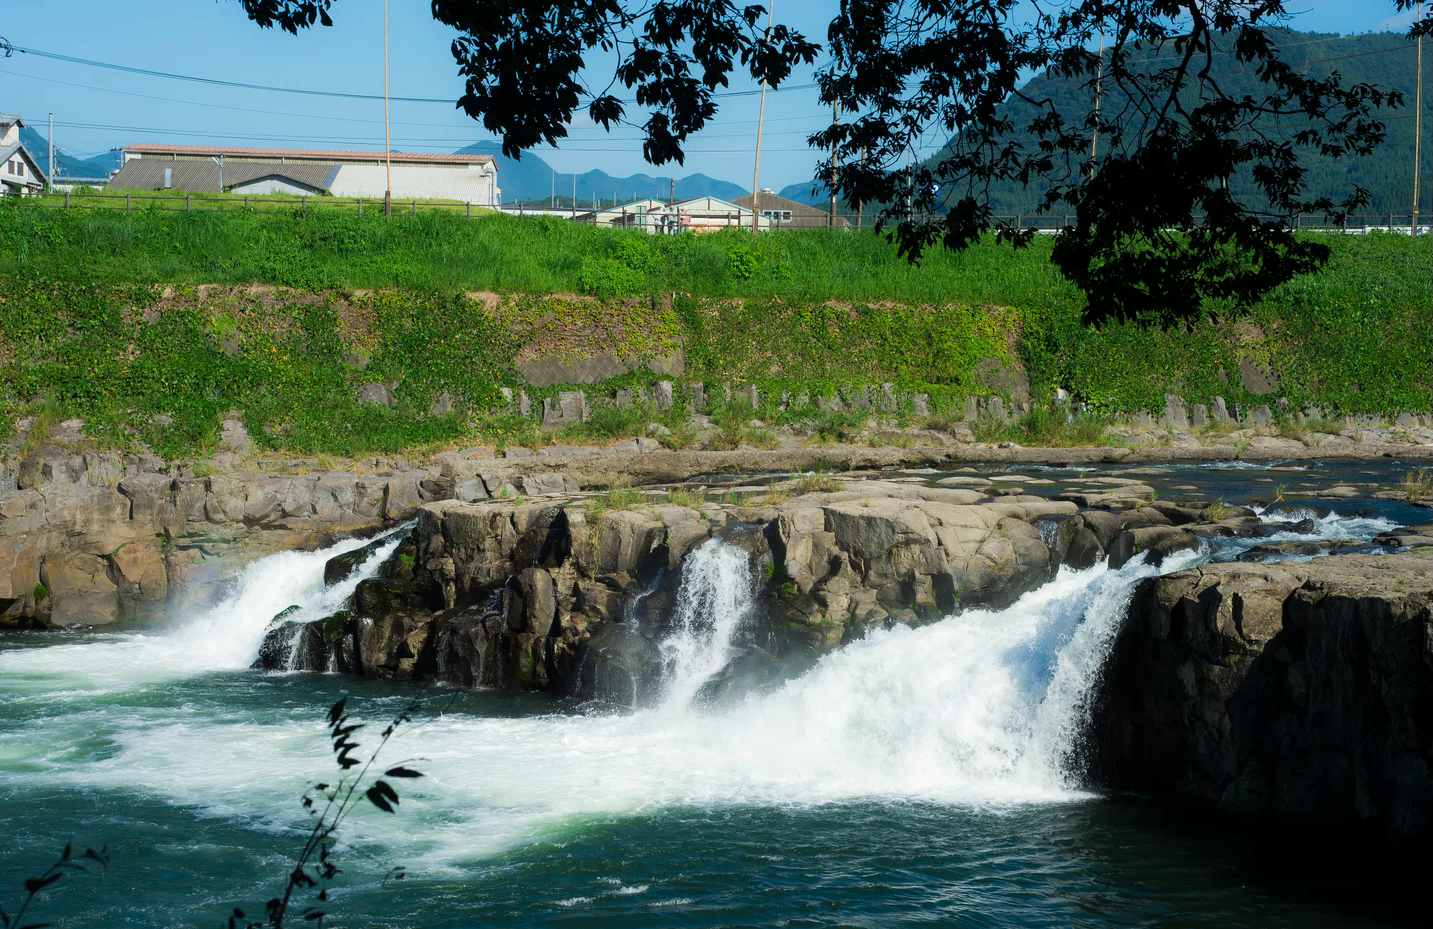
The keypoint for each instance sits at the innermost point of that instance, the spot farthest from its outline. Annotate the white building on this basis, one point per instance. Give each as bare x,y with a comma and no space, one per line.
299,172
20,173
656,217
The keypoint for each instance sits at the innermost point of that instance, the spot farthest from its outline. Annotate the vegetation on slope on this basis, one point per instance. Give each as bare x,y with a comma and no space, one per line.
116,318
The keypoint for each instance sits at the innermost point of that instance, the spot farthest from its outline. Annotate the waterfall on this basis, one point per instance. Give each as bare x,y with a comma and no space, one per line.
713,600
984,707
223,637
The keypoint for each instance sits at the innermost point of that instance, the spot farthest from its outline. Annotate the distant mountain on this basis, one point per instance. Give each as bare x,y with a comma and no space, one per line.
812,193
66,165
1383,59
1386,60
531,180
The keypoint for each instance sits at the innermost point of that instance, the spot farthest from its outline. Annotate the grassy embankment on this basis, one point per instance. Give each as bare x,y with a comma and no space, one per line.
108,316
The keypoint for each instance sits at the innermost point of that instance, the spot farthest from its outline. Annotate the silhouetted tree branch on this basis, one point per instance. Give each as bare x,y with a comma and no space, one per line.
1155,229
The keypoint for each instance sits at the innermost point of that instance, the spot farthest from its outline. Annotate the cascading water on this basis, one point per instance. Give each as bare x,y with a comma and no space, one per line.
713,600
981,708
224,637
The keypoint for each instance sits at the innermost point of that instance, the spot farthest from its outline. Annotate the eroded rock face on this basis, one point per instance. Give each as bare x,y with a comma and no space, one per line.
1300,692
82,550
560,596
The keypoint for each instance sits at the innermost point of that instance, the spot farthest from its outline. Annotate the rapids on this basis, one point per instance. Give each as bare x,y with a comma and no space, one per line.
531,812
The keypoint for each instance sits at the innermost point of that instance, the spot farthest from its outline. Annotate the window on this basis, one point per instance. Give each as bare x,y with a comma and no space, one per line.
779,215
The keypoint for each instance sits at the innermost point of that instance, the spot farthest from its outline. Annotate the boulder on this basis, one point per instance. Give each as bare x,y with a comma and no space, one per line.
376,395
1176,416
569,406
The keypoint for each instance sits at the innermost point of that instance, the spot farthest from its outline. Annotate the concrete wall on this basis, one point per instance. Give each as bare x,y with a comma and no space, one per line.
469,183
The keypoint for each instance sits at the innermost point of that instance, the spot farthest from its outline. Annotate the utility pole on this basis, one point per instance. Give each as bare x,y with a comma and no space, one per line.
672,194
574,194
835,118
387,138
860,206
1099,81
552,197
1417,130
760,116
50,178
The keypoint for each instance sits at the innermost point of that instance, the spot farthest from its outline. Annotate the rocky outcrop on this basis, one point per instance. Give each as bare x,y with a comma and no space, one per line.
1298,692
109,537
568,596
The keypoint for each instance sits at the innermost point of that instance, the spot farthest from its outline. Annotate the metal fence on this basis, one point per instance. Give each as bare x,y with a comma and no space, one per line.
166,202
657,221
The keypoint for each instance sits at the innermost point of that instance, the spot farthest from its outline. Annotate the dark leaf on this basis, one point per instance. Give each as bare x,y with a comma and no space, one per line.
382,796
402,772
335,711
36,884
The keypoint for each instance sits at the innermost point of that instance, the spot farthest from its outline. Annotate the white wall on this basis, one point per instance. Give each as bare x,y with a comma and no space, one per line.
24,176
274,185
468,183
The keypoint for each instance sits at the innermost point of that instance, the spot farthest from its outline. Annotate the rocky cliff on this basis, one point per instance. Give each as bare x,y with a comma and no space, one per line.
96,537
569,595
1300,692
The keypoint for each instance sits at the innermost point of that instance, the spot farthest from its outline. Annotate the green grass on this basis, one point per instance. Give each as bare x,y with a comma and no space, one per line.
110,314
1048,425
445,252
1418,485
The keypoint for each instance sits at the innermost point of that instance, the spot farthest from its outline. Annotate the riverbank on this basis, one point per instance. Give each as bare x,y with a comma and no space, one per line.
130,323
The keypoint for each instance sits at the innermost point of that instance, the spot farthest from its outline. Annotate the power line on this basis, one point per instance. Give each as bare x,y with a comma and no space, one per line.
262,112
348,140
217,82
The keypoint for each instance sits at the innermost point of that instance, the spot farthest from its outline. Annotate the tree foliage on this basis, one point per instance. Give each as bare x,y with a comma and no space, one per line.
1171,134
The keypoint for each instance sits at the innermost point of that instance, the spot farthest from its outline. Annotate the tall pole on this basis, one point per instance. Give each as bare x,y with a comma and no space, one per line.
552,197
387,139
1417,130
835,118
1099,80
574,194
760,116
860,206
50,178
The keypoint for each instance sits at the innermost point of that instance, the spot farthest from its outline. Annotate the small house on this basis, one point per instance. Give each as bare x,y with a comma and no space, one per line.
20,173
790,214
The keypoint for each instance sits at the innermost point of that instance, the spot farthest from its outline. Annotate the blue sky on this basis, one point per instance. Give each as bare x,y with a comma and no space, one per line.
96,110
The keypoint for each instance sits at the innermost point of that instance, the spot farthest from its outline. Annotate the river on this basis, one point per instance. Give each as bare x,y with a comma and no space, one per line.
919,777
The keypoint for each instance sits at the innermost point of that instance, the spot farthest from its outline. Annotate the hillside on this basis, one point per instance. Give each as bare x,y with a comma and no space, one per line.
1383,59
531,180
66,165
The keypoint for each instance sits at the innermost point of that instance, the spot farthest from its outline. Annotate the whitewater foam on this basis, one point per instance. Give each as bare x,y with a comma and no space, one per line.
980,709
224,637
713,600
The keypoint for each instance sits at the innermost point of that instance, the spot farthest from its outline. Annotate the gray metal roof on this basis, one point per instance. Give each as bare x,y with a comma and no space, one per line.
203,176
802,214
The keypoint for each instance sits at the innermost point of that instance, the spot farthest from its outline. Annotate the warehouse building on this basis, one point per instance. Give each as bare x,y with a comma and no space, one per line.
300,172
